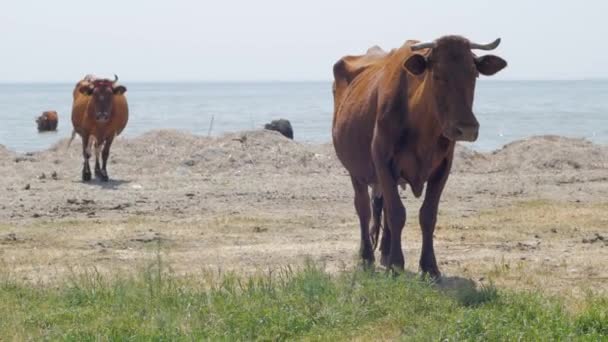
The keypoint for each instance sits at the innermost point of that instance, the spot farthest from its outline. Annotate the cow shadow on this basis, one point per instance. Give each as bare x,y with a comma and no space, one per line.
112,184
463,290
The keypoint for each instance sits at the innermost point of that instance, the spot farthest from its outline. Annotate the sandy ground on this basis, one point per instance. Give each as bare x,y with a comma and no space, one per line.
533,214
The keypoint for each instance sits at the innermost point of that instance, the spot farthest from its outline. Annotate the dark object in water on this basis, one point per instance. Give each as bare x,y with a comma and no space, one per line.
47,121
282,126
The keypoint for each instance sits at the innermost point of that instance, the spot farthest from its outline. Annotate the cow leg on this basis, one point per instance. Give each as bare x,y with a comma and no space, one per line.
376,215
97,164
395,212
104,155
86,154
428,218
387,126
385,244
362,205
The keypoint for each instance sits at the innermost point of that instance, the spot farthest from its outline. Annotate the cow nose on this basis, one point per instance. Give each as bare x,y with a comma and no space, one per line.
101,116
466,132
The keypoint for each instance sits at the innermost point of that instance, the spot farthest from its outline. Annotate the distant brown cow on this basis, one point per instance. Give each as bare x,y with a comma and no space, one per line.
397,116
99,113
47,121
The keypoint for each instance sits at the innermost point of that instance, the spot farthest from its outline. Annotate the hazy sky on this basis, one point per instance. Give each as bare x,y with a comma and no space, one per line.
60,40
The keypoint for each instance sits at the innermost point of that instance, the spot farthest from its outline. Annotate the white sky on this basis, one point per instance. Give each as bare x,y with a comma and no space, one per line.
246,40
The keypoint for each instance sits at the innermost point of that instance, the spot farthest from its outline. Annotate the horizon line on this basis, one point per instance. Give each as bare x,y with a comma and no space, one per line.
304,81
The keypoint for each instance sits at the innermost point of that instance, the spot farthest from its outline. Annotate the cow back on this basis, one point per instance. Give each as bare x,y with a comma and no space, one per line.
349,67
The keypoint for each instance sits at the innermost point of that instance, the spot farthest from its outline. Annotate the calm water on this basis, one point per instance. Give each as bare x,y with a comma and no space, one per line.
507,110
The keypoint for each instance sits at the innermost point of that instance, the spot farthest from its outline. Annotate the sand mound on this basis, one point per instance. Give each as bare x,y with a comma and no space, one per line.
262,151
268,152
467,160
549,153
6,155
4,152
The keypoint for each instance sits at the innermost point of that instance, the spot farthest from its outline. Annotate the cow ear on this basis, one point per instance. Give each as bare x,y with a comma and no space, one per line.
86,90
489,64
120,90
415,64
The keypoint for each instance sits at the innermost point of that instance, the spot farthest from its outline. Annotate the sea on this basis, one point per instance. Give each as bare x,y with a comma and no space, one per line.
506,110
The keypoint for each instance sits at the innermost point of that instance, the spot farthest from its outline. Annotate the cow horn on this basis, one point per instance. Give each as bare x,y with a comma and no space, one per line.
420,46
491,46
115,79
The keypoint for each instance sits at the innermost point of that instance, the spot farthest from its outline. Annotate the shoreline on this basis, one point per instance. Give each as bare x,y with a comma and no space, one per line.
128,137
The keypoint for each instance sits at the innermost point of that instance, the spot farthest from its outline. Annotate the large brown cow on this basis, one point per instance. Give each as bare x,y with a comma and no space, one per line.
99,113
397,116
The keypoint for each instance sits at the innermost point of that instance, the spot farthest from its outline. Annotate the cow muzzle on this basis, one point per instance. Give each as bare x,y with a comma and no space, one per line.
102,116
463,132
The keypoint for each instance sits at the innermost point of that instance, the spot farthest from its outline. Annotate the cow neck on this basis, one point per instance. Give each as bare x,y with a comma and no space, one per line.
424,147
96,128
422,115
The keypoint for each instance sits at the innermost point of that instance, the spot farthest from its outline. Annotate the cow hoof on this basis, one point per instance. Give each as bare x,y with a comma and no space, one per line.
366,265
86,176
367,260
384,260
104,177
432,277
366,253
429,269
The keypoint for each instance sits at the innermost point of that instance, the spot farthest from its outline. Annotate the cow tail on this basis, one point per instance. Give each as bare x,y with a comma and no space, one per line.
72,138
376,206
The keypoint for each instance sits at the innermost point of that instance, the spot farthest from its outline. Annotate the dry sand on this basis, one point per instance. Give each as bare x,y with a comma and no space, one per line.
532,214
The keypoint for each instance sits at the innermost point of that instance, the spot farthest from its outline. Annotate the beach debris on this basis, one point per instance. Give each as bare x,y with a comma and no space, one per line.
24,158
81,202
148,237
242,139
258,229
596,238
189,162
11,237
121,206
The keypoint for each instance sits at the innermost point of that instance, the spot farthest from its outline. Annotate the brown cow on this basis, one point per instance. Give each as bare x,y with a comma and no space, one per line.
99,113
47,121
397,116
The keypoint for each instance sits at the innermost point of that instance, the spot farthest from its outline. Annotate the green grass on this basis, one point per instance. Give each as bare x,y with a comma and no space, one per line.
154,305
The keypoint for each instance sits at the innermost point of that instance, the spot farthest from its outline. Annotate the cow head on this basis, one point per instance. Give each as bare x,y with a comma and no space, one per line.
102,92
451,70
